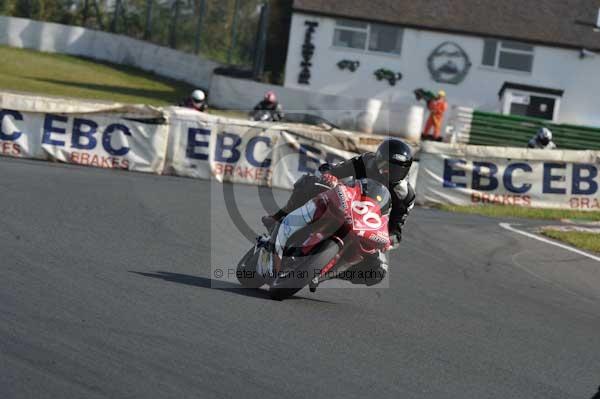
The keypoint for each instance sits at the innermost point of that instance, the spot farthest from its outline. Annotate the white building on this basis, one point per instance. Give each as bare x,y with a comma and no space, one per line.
540,56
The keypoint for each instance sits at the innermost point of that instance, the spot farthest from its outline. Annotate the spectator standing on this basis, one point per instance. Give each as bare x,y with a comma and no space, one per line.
437,106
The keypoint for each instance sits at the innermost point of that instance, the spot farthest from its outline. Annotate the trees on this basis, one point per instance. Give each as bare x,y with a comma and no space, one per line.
46,10
180,23
280,19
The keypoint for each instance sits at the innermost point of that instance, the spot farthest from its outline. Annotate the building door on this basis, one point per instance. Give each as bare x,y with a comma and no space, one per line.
541,107
532,101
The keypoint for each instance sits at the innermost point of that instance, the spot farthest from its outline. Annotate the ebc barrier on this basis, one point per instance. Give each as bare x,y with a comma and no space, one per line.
473,175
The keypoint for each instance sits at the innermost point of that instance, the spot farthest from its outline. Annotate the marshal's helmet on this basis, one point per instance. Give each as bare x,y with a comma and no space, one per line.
544,135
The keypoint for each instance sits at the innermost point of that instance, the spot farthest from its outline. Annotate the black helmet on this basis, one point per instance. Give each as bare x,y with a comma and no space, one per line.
394,158
378,193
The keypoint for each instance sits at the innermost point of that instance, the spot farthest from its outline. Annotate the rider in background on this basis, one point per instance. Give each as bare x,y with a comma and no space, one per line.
542,140
389,165
196,100
269,103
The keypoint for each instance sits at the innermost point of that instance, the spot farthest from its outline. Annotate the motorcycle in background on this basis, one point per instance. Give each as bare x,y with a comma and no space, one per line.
262,115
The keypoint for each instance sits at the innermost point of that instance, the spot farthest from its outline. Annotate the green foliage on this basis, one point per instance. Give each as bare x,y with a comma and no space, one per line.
216,28
46,10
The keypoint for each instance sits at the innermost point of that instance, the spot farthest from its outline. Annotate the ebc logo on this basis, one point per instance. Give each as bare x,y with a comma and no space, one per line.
83,134
486,176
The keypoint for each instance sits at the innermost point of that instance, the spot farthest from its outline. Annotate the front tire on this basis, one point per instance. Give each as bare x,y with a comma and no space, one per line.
246,270
297,272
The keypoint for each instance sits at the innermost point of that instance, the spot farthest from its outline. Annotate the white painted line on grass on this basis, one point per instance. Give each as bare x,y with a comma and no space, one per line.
507,226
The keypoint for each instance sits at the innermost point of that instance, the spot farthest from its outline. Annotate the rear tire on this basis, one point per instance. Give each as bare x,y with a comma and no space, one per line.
303,270
246,270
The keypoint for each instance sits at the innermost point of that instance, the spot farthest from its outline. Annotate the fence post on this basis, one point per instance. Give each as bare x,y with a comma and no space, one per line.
113,25
173,33
233,30
261,42
85,13
98,15
148,27
201,10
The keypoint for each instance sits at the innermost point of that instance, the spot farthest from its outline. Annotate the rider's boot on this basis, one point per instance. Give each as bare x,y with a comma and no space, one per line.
270,221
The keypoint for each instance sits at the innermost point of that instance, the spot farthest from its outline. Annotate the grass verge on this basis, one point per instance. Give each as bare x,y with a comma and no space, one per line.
61,75
523,212
579,239
68,76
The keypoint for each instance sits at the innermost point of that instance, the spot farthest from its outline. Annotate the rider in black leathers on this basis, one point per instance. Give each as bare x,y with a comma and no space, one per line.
389,165
268,104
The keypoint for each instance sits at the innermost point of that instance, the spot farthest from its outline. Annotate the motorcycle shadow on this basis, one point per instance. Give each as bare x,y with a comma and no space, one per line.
204,282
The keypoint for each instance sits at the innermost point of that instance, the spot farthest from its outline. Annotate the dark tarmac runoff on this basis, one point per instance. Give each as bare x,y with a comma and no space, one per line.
107,291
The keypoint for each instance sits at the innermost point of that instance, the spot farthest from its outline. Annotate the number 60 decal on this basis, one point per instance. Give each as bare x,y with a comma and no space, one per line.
369,219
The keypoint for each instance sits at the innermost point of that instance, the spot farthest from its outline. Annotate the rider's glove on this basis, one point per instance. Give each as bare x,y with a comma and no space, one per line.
324,168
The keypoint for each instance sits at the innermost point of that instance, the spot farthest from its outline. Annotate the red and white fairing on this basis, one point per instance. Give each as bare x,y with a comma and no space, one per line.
361,214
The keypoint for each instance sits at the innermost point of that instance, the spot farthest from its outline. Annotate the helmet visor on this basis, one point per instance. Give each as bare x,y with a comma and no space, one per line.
396,170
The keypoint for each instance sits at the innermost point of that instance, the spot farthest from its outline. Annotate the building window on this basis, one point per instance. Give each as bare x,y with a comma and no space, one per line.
505,54
350,34
385,38
364,36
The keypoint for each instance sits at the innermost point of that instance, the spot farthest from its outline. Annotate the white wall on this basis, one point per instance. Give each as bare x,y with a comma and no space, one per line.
552,67
118,49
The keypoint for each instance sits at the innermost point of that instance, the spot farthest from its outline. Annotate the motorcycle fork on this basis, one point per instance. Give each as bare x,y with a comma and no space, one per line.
314,283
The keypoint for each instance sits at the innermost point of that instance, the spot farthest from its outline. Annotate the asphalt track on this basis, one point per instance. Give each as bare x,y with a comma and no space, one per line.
105,292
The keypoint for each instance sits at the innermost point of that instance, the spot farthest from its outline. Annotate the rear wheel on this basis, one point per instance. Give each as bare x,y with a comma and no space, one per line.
246,270
297,272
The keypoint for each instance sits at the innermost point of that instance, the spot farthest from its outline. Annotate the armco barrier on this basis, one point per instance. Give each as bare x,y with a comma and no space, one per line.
239,151
186,143
485,128
169,141
94,139
474,175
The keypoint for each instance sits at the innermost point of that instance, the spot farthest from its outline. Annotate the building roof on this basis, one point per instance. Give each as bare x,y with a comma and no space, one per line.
563,23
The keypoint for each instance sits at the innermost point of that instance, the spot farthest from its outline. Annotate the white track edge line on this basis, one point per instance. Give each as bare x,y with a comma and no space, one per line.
507,226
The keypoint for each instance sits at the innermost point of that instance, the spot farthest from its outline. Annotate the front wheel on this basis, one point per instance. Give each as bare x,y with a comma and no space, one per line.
297,272
246,272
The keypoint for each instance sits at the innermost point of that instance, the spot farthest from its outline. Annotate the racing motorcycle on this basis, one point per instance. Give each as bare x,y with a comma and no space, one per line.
262,115
348,222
